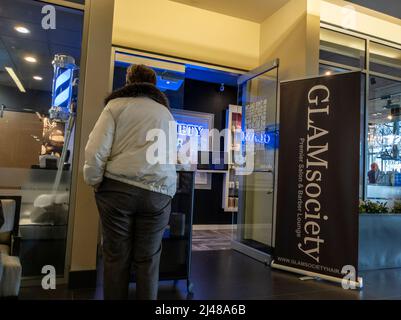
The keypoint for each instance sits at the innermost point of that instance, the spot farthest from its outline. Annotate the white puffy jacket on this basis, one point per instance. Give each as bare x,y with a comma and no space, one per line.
117,145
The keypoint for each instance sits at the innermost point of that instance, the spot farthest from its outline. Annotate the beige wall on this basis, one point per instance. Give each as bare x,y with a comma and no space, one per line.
176,29
94,88
292,35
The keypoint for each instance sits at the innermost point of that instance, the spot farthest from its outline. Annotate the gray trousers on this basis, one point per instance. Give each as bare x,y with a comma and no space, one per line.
133,223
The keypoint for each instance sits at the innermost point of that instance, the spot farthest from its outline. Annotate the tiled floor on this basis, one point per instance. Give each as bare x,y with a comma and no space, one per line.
230,275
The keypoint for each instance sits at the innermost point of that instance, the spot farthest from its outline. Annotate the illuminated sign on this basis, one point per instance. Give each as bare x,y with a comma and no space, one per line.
259,138
186,129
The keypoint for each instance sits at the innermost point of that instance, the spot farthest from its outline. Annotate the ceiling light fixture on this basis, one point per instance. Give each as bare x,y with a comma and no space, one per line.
22,29
30,59
38,78
328,73
15,78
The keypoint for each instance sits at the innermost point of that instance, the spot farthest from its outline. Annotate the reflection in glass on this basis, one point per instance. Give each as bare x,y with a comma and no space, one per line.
384,139
325,70
385,59
342,49
36,131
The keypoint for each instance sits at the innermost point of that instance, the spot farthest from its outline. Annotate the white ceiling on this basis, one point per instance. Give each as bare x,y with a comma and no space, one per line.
253,10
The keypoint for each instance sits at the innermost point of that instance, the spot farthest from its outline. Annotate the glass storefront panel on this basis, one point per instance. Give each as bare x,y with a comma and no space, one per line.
325,70
385,59
384,140
38,97
380,163
77,1
258,98
342,49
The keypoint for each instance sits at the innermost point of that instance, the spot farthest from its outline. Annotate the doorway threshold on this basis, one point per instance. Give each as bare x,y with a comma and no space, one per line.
251,252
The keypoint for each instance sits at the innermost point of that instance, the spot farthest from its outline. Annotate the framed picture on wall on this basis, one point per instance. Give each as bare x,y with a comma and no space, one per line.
191,123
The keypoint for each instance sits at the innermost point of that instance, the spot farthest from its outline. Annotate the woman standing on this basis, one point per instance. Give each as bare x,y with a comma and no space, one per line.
133,196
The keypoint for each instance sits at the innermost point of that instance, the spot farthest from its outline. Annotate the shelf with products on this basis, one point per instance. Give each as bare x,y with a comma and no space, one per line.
231,181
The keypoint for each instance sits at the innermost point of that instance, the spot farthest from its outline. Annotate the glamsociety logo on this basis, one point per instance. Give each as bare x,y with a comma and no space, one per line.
317,148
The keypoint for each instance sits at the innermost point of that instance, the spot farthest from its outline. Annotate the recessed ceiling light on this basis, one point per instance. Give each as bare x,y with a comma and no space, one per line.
328,73
38,78
22,29
30,59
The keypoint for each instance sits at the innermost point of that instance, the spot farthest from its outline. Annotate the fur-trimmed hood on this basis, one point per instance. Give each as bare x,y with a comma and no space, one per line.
136,90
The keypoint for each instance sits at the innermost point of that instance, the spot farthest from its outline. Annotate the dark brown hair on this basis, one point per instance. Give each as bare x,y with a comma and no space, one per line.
140,73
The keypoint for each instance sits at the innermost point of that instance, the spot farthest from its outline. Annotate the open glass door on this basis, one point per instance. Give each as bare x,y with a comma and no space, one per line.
258,97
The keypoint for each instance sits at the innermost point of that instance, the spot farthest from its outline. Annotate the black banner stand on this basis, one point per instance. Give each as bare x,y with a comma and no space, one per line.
318,178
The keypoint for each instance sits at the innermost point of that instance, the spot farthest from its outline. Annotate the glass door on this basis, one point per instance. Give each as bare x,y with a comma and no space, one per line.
258,99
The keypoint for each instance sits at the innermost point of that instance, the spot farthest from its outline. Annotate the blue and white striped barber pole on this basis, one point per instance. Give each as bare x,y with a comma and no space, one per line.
64,67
